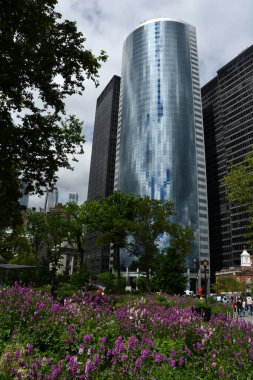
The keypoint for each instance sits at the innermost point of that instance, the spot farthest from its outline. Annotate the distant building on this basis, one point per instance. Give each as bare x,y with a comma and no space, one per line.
69,260
73,197
24,200
51,200
102,167
65,197
228,126
242,273
55,198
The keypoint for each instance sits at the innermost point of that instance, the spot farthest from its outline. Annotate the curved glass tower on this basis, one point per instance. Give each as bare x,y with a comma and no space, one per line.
160,146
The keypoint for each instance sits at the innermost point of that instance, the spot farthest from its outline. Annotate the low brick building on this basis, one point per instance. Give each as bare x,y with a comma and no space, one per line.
243,274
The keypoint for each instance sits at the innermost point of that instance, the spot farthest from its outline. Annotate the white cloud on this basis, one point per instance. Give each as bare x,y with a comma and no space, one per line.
75,181
224,29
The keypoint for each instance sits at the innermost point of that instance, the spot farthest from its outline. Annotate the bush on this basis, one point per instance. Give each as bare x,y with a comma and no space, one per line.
119,337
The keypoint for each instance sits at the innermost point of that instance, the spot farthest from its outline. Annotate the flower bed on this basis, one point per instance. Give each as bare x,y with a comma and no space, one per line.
100,338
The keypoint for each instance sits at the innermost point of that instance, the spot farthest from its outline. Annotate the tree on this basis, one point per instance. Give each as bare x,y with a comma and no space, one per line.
111,283
36,229
228,284
42,61
170,264
47,233
76,228
16,248
150,222
109,216
143,227
107,279
239,186
239,182
81,277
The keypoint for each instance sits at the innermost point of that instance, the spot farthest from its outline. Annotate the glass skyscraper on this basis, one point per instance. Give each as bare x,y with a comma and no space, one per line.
160,143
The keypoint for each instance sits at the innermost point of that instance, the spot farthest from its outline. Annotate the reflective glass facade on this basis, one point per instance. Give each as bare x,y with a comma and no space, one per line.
160,147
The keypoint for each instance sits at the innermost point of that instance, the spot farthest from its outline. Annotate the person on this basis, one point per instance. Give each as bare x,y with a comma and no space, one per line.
234,305
249,305
239,307
99,292
229,301
243,306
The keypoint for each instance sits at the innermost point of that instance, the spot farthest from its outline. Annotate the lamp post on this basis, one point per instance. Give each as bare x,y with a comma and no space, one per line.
205,263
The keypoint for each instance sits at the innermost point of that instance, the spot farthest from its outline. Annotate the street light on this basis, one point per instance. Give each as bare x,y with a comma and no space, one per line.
205,263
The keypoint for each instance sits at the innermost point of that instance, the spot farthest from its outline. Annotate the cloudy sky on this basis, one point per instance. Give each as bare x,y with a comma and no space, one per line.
224,29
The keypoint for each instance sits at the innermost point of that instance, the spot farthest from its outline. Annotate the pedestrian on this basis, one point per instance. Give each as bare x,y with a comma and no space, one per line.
243,306
249,305
234,305
239,307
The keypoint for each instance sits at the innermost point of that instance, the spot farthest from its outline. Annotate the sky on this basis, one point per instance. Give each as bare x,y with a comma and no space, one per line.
224,29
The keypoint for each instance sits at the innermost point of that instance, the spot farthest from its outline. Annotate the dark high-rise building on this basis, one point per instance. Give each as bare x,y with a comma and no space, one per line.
228,127
101,180
102,167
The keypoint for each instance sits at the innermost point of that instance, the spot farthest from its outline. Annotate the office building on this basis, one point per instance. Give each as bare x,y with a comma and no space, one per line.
24,199
228,126
56,198
102,167
51,199
65,197
160,144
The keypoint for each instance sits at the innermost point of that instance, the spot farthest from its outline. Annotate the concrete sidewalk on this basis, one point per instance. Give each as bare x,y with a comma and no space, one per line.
247,317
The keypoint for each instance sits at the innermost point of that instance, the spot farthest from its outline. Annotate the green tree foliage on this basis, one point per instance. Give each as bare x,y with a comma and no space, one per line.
110,217
47,233
42,60
228,284
56,235
170,265
239,182
111,283
76,228
239,186
150,222
36,228
107,279
16,248
137,224
82,276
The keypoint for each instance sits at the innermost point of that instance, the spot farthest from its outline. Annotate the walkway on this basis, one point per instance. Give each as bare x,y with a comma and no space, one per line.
247,318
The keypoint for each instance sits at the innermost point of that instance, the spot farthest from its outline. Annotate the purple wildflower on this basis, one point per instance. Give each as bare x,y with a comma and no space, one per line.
87,338
124,358
138,363
17,354
96,359
172,362
29,348
181,361
144,353
71,330
88,367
